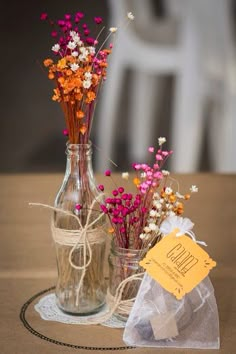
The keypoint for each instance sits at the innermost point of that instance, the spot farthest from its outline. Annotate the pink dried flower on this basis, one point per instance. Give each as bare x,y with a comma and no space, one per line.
121,190
80,15
98,20
107,173
90,40
86,32
43,16
67,16
54,33
78,207
159,157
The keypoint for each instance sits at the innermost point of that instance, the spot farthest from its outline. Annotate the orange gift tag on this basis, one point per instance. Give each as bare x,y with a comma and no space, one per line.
178,264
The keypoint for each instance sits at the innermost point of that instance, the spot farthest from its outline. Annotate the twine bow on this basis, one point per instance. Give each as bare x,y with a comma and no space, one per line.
78,238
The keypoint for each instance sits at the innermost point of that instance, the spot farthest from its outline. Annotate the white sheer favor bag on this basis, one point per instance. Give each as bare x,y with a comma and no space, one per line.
158,319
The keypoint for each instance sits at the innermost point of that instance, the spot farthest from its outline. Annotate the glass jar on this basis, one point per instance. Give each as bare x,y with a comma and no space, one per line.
124,263
80,248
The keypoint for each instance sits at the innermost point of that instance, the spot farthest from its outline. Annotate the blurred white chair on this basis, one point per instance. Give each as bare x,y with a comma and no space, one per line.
186,59
211,37
147,59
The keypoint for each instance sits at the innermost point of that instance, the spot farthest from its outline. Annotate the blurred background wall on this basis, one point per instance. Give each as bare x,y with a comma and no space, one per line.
32,124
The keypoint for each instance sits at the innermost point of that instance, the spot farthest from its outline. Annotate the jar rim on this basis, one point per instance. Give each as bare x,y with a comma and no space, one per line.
130,252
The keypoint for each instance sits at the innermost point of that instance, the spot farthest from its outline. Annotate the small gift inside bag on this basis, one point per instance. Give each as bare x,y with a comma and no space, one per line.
158,319
175,305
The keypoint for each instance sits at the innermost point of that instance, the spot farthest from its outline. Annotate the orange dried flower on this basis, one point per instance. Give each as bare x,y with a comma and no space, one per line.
172,198
61,80
48,62
136,181
61,64
80,114
51,76
90,96
95,79
83,129
68,72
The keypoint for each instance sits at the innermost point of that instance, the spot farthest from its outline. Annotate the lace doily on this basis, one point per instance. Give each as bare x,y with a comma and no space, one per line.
49,311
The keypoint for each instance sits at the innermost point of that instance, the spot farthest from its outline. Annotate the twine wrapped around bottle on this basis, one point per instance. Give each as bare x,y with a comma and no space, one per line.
83,238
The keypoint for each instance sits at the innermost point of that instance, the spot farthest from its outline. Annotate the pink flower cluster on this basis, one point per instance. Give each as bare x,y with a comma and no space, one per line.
61,30
63,27
128,212
151,175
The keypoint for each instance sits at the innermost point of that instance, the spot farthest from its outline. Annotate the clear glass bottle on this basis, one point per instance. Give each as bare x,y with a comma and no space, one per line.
124,263
79,293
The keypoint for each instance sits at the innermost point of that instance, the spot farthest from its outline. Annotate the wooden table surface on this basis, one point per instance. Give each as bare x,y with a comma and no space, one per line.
27,263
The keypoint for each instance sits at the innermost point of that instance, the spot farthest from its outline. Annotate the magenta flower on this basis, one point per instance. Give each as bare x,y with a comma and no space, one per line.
67,16
121,190
90,41
80,15
43,16
54,33
61,23
107,173
159,157
104,209
78,207
86,32
101,187
65,132
98,20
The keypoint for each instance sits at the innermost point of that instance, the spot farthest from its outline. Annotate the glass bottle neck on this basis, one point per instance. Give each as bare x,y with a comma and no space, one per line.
79,160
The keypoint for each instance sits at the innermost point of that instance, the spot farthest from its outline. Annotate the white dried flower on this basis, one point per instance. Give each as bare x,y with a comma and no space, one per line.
153,227
74,67
75,53
113,29
71,45
146,229
75,36
168,190
91,50
82,57
125,175
142,236
88,75
83,50
143,175
161,141
165,172
87,84
56,48
152,213
157,204
130,16
194,189
156,195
